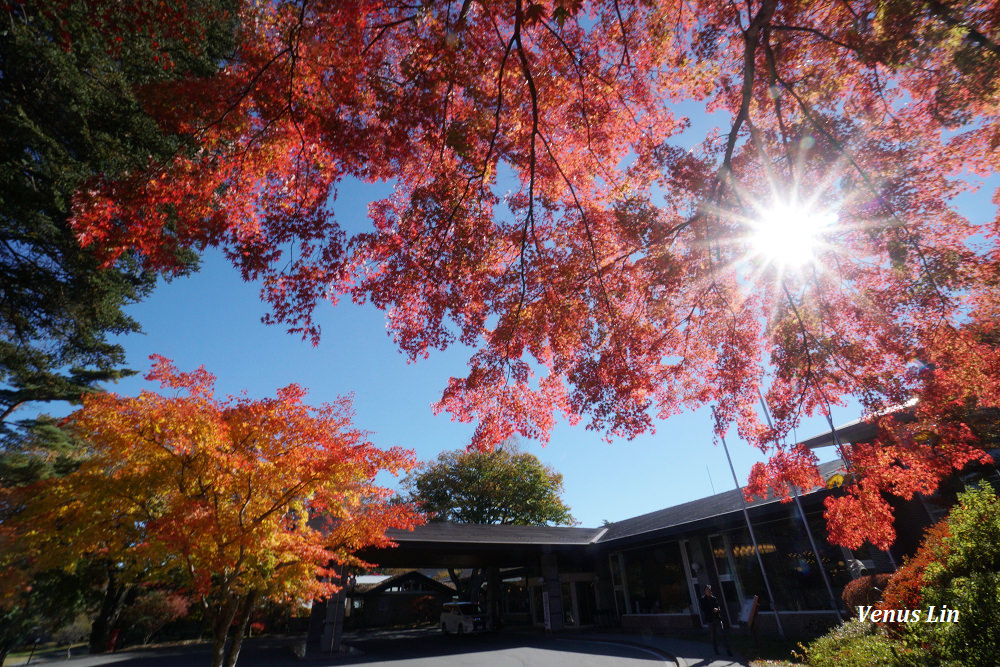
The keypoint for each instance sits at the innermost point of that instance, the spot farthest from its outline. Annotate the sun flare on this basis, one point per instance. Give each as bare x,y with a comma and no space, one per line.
789,235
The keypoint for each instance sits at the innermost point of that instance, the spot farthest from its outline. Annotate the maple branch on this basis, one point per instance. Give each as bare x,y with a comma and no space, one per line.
282,500
761,148
836,358
246,502
940,11
626,58
530,216
586,226
498,109
533,92
581,71
579,75
291,50
773,72
444,118
805,346
886,107
384,27
236,100
685,320
751,37
293,55
817,33
608,84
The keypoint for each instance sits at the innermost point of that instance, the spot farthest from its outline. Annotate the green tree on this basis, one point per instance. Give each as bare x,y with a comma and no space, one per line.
71,110
52,601
963,575
41,451
505,486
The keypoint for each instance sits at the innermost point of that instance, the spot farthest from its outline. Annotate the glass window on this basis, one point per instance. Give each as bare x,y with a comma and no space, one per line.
656,581
792,569
569,620
586,602
515,598
537,608
730,593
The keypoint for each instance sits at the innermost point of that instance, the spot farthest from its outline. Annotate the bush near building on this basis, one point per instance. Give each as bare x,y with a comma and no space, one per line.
864,591
958,566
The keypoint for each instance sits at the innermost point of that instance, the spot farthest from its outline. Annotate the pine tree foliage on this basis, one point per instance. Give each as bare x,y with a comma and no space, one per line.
71,110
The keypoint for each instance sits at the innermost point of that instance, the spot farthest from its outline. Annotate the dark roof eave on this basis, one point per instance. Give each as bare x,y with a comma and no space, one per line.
856,431
859,430
723,521
497,536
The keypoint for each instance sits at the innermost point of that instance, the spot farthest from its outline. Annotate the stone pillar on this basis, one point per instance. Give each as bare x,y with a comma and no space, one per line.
493,594
316,619
333,624
550,575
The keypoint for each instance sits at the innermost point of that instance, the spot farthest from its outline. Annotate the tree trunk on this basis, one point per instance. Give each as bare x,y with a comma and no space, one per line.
116,596
338,618
475,584
226,615
456,579
234,650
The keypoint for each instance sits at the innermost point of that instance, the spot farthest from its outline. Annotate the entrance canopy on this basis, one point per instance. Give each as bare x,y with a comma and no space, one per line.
474,545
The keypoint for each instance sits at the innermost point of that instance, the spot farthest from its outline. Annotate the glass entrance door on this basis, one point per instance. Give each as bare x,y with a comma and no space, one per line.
731,594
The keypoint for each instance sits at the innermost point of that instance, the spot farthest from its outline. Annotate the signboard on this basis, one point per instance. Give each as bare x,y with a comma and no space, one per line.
545,610
748,612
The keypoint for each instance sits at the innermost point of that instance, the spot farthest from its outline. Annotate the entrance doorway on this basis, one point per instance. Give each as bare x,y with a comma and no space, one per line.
579,600
725,568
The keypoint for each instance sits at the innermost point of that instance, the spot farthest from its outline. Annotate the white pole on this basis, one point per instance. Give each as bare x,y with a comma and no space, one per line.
805,523
753,538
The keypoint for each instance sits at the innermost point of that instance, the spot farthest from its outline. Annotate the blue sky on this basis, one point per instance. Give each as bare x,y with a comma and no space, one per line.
212,318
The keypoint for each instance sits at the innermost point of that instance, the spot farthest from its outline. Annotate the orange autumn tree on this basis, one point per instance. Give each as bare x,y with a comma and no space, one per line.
553,210
244,499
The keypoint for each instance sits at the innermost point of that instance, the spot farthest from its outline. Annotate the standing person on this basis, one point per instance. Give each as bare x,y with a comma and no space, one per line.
711,612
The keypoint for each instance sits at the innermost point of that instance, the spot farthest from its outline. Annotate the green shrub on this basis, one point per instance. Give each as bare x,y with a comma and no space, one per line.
966,578
851,644
957,565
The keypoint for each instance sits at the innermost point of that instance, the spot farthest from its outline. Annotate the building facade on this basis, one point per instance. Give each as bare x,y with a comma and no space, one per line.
650,571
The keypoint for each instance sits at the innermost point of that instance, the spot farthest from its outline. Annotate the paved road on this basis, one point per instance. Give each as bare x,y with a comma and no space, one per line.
410,648
426,649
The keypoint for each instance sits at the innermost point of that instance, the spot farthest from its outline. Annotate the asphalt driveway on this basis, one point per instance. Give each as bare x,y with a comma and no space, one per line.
424,647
